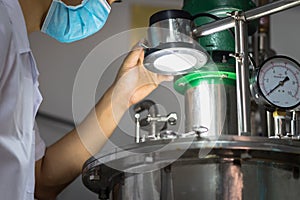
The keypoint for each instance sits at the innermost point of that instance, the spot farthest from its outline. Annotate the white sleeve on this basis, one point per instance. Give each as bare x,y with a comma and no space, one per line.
40,145
5,36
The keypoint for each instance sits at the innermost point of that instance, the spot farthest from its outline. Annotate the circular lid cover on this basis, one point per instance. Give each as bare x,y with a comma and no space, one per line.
175,58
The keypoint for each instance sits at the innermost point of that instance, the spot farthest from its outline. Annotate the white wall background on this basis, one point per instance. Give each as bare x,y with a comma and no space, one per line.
59,63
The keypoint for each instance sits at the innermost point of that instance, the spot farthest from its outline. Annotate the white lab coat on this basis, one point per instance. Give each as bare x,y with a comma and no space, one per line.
20,144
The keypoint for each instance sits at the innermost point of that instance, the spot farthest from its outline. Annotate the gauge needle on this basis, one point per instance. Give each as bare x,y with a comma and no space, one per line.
281,83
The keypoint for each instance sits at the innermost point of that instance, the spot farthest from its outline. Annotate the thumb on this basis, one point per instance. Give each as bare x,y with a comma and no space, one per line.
134,58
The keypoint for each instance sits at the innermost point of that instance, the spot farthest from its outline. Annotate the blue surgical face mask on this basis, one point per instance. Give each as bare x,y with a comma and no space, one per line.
71,23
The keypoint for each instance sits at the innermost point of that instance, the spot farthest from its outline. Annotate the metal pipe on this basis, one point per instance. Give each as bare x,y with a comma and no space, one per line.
270,124
213,27
271,8
295,124
137,128
242,74
250,15
280,123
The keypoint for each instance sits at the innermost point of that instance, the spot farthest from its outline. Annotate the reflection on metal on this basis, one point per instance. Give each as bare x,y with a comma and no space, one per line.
137,127
295,124
280,123
270,124
211,106
253,14
210,100
231,167
242,74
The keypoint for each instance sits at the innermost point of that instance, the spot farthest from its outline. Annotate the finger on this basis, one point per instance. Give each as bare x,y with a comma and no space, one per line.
162,78
142,43
141,59
133,58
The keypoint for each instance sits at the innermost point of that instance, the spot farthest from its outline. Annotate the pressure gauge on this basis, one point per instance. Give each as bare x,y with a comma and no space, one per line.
277,83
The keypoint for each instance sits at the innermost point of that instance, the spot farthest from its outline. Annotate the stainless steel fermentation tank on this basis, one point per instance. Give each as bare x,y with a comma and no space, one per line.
227,168
216,158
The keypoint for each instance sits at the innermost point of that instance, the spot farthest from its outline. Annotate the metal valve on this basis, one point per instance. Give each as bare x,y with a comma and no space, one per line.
170,118
154,123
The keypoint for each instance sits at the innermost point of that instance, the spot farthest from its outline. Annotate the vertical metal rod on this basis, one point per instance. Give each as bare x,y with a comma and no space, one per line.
137,128
242,74
279,123
270,124
295,124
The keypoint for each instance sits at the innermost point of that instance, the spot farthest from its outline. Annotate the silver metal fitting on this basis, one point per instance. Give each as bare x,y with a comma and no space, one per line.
237,15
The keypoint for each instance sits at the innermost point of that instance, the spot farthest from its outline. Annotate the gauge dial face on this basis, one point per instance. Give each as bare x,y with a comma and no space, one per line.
279,82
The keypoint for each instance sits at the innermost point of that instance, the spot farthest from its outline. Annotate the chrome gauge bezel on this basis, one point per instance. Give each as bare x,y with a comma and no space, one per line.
259,92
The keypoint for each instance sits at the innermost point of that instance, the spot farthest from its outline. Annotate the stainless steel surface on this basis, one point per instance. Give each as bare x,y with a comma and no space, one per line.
214,27
253,14
242,74
211,106
271,8
208,168
270,124
170,30
295,124
280,126
137,128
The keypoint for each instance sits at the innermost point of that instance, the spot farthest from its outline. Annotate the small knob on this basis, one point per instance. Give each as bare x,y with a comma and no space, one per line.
172,119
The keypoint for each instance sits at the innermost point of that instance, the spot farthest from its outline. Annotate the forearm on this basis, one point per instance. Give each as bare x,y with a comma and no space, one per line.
63,160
